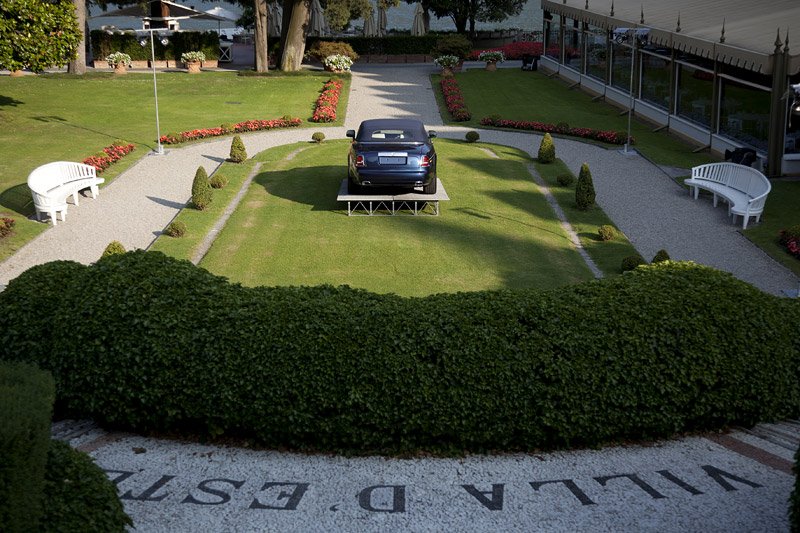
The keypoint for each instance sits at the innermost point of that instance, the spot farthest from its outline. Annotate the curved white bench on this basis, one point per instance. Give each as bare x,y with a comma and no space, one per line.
744,188
53,183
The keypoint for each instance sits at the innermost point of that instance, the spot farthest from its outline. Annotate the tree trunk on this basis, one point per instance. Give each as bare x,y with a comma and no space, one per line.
260,38
295,37
78,65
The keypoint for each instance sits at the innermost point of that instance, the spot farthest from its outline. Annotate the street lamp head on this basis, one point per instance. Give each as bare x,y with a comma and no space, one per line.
143,42
165,41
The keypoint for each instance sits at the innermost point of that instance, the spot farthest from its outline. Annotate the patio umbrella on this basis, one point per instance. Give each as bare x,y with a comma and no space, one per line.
369,26
159,13
274,19
382,21
223,14
418,26
317,22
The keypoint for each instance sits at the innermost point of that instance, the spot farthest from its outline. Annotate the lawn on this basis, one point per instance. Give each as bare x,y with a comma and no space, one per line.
62,117
496,232
780,212
520,95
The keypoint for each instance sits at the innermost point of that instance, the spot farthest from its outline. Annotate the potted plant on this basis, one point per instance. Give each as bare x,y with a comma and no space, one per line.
453,45
337,63
192,60
119,61
492,58
448,63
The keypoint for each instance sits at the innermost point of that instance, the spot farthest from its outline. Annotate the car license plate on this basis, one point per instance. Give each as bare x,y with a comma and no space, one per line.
392,158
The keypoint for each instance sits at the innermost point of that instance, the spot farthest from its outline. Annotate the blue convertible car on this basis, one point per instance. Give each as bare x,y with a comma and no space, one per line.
391,153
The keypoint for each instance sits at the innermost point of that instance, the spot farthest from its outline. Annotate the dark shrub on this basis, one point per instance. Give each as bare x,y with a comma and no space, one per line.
606,232
322,49
26,397
502,370
201,190
238,153
565,180
584,190
453,44
318,137
562,127
632,261
660,256
472,136
114,247
547,150
6,226
218,181
79,496
176,228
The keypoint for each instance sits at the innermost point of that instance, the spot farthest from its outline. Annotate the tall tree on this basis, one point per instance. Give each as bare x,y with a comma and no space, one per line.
464,12
260,37
37,34
293,34
78,65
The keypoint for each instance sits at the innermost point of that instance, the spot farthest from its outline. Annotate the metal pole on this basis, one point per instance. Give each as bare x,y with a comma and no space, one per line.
159,149
632,34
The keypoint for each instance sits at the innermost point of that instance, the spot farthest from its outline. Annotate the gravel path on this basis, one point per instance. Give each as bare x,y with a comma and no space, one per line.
645,203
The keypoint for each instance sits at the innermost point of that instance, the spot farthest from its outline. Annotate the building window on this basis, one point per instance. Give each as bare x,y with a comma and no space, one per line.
553,49
655,88
596,52
573,45
621,67
695,89
744,113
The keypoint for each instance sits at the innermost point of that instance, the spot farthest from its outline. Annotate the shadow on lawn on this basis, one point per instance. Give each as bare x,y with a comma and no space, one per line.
18,198
61,120
314,186
6,101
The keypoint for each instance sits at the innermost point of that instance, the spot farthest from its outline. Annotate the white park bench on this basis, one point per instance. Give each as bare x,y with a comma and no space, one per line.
53,183
744,188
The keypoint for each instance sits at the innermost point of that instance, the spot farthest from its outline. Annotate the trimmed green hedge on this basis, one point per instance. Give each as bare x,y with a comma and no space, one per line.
146,342
26,400
79,495
392,45
794,500
104,43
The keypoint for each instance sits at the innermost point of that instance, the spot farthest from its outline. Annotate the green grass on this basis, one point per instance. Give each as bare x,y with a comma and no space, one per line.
517,95
496,232
780,212
607,255
63,117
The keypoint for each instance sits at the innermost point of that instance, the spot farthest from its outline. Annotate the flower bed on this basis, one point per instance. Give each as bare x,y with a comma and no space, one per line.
454,100
325,108
240,127
512,50
790,239
109,155
606,136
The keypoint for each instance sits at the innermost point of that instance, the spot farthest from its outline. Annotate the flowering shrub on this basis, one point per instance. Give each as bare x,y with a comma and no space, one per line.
6,226
447,61
109,155
338,62
492,56
325,108
240,127
454,100
118,58
606,136
790,238
512,50
193,56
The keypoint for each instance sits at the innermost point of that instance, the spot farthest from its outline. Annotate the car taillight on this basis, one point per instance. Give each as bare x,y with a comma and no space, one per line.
425,161
360,161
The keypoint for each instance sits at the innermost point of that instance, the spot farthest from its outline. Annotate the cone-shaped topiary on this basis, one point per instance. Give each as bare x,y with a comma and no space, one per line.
584,190
201,190
660,256
547,150
238,153
114,247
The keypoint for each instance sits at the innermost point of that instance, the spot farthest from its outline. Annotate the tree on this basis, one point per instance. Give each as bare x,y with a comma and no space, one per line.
78,64
37,34
464,11
260,37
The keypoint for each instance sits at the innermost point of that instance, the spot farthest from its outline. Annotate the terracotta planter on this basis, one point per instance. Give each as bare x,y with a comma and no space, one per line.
210,63
491,66
140,64
16,74
193,67
447,72
120,69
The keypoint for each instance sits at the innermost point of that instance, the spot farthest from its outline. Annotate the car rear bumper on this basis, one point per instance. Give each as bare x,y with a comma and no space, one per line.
393,179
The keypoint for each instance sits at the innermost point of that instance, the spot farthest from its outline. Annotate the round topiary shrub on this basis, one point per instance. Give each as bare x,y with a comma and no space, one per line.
176,228
660,256
562,127
201,190
322,49
584,190
606,232
238,153
114,247
472,136
632,261
565,180
218,181
318,137
453,44
547,150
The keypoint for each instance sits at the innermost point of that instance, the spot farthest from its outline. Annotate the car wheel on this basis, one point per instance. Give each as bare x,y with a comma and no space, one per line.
430,188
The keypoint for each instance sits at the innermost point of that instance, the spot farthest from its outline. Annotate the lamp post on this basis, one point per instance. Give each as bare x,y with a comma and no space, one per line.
632,43
159,149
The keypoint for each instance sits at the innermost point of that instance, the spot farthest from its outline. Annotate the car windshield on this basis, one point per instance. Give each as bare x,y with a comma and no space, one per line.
390,135
375,131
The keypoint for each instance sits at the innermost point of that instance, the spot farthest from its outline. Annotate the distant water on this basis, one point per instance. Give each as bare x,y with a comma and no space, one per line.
399,17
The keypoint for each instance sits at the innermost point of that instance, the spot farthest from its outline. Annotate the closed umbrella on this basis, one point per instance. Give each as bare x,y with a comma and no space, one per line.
317,22
418,26
223,14
382,21
275,19
369,26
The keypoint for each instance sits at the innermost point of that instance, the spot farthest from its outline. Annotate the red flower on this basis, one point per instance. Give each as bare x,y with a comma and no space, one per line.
325,108
108,156
611,137
454,100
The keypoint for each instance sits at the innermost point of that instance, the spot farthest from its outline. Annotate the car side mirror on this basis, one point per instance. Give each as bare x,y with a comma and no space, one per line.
351,134
431,134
